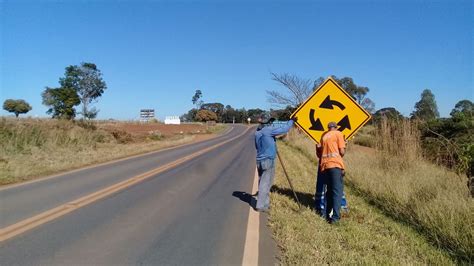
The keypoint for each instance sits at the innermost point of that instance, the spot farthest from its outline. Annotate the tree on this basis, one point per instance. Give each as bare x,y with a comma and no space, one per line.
16,106
206,115
255,114
283,114
426,109
61,102
463,110
368,105
189,116
217,108
229,114
87,81
241,115
299,89
357,92
91,114
197,99
388,112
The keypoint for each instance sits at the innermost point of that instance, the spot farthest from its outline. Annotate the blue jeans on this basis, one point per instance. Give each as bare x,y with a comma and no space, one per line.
266,173
320,199
333,177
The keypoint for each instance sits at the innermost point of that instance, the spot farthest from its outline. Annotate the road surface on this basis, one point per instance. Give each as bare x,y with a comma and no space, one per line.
192,213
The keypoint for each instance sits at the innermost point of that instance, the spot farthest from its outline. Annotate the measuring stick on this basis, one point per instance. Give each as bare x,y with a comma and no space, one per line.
288,178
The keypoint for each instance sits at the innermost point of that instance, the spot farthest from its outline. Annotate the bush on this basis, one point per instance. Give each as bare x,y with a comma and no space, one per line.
155,135
122,137
205,115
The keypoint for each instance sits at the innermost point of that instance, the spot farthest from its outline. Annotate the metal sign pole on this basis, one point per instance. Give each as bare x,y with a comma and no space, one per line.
288,178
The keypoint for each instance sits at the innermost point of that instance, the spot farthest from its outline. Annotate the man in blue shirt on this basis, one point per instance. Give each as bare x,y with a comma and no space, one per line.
265,143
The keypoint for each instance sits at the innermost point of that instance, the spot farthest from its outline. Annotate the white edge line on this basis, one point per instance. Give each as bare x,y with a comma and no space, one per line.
253,232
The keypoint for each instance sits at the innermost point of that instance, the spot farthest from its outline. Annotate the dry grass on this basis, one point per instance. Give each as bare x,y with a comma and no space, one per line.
398,144
32,148
396,180
365,137
366,236
432,199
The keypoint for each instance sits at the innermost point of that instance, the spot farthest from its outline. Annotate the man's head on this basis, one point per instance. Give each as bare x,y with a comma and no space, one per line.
266,121
332,126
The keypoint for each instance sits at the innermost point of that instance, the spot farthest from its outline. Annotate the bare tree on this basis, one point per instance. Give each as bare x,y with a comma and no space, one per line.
299,90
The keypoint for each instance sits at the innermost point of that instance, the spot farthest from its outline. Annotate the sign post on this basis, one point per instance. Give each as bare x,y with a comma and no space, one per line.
330,103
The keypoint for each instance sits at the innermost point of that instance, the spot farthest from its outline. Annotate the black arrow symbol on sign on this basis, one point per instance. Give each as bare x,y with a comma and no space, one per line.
315,124
344,123
328,104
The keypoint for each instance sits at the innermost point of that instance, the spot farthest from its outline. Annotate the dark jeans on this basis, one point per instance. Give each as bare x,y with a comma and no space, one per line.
319,196
333,177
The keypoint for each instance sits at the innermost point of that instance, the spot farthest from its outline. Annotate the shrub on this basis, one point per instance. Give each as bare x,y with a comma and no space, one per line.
121,136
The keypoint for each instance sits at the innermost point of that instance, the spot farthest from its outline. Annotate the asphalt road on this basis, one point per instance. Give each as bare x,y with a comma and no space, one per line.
192,214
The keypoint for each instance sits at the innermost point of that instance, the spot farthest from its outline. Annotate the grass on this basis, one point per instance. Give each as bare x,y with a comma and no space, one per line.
32,148
402,211
217,128
365,137
365,236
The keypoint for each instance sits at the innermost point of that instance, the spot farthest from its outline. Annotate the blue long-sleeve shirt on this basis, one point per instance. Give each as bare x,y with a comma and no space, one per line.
265,140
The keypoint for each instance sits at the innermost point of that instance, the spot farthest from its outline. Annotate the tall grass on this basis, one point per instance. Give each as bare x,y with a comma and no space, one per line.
36,147
395,178
26,135
364,237
397,144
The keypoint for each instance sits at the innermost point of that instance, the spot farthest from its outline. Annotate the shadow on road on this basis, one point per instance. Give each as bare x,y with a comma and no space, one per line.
306,199
245,197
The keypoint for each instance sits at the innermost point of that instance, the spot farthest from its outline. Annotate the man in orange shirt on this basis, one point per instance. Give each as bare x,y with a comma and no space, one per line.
331,151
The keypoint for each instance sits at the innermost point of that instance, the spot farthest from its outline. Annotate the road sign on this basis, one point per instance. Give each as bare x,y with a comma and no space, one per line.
330,103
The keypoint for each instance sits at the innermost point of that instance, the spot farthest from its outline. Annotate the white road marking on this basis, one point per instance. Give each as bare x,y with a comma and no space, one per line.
253,232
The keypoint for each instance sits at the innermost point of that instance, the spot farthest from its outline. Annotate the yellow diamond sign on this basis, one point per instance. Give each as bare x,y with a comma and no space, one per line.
330,103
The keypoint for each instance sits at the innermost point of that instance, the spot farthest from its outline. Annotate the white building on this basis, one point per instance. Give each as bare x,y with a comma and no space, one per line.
172,120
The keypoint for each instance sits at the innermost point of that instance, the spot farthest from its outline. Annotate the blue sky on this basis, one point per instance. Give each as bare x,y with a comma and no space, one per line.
155,54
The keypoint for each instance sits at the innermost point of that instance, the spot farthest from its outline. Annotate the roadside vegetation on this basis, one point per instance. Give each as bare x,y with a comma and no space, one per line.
36,147
16,106
403,209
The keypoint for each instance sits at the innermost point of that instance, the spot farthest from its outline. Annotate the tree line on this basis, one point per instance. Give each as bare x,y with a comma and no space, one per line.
446,141
216,111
